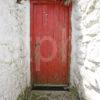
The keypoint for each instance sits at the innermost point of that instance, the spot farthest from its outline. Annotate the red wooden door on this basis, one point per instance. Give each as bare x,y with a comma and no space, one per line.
49,44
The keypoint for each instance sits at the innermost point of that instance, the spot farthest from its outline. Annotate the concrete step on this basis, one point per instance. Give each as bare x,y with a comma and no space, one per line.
52,95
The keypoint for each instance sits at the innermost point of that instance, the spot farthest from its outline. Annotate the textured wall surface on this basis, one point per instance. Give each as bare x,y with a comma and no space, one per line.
14,48
85,65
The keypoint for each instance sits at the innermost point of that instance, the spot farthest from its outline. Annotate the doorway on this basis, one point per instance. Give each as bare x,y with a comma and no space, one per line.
50,43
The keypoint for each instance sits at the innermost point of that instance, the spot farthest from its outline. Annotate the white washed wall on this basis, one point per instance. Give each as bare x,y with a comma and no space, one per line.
85,65
14,48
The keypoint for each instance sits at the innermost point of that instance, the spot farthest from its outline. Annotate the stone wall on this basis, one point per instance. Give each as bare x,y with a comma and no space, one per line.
14,48
85,58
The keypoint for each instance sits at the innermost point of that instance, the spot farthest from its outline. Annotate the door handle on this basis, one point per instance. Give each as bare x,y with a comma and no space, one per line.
37,44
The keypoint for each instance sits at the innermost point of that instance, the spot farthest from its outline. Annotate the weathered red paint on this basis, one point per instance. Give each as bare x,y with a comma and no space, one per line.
50,42
47,1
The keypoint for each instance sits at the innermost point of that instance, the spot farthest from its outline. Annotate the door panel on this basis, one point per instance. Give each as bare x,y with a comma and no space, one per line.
49,44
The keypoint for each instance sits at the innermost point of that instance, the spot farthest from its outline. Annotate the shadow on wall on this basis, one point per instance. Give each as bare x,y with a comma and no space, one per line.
78,53
19,1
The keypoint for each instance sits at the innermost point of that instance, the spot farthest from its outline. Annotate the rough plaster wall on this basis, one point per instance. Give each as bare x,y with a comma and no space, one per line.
85,66
14,48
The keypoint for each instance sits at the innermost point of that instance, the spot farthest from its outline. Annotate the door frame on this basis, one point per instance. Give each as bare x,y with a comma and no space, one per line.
32,3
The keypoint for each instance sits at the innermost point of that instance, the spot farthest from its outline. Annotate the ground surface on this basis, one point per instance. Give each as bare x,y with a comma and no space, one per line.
52,95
